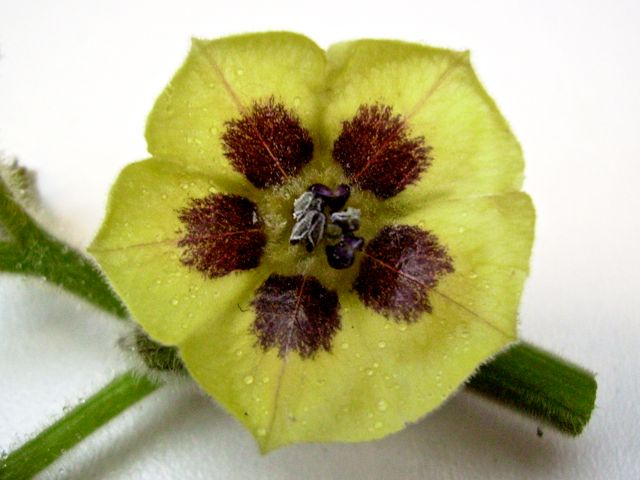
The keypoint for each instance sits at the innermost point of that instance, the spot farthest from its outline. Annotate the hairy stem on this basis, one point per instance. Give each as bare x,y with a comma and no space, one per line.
30,250
72,428
539,384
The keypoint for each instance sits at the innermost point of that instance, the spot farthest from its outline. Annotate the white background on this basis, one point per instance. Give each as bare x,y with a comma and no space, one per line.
77,79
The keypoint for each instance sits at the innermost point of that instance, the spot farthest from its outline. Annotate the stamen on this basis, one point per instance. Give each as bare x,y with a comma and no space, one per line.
343,254
348,220
313,224
334,199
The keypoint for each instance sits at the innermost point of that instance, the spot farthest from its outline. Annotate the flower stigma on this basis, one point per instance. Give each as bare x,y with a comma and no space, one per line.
317,214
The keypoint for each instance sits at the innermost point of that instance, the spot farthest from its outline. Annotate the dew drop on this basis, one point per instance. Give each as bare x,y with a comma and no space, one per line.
212,190
261,432
345,346
238,353
265,380
382,344
377,425
174,301
240,72
163,196
185,186
461,230
376,365
402,327
473,275
382,405
369,371
296,101
213,131
248,379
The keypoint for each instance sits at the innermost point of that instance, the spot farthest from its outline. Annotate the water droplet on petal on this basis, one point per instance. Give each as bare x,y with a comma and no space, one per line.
345,346
174,301
382,344
382,405
248,379
377,425
261,432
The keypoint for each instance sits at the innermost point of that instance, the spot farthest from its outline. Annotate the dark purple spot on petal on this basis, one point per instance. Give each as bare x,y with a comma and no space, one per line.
377,153
267,144
221,233
295,313
402,264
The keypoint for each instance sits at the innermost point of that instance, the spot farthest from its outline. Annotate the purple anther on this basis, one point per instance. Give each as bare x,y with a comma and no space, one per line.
321,191
342,254
334,199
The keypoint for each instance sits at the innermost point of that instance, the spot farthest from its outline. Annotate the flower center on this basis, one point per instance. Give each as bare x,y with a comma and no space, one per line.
319,214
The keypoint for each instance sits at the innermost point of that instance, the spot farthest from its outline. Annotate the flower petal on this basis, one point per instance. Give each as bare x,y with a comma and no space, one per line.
380,373
402,264
137,247
471,148
489,239
219,81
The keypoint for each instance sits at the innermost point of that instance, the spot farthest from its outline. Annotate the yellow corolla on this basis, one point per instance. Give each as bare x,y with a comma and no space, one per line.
334,240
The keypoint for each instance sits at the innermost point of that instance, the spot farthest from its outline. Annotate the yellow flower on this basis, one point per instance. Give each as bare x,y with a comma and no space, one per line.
333,240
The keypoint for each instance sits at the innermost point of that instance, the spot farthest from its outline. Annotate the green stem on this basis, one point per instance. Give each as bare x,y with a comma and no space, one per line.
50,444
539,384
33,251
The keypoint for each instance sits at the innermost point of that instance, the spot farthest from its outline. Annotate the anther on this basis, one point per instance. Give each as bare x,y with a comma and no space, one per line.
343,254
312,224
